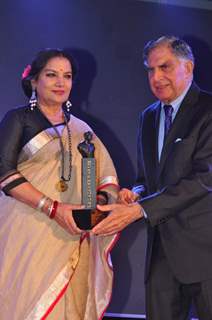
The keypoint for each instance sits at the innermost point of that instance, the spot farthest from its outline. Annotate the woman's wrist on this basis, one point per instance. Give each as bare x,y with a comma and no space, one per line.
47,206
42,202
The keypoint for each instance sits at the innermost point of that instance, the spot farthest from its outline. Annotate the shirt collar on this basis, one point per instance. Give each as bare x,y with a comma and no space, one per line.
177,102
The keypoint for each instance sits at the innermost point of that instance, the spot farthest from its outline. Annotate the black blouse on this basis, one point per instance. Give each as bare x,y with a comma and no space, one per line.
18,127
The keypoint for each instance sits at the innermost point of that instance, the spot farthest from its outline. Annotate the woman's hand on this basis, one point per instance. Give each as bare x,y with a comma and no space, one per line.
65,219
126,196
29,195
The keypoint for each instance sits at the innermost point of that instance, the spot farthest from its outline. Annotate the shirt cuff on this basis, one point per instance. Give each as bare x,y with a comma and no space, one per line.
138,190
145,214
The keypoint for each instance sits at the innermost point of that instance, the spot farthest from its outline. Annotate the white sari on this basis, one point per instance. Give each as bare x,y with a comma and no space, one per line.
46,273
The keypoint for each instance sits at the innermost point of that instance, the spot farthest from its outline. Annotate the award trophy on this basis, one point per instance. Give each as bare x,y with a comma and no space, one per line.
87,218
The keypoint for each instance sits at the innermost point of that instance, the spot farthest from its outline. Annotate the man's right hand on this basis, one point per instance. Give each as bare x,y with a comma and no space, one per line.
127,196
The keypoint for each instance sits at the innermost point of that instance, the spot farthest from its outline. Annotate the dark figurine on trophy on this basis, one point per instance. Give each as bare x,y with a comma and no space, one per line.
86,148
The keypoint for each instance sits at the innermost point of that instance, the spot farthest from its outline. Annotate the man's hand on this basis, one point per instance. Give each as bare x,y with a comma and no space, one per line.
121,215
126,196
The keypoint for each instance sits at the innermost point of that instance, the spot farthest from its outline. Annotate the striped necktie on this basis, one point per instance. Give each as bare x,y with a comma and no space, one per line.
168,109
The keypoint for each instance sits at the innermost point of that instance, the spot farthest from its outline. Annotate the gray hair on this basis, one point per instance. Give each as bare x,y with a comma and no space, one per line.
179,48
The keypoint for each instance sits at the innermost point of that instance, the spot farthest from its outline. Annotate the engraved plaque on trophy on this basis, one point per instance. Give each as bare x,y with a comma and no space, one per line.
83,218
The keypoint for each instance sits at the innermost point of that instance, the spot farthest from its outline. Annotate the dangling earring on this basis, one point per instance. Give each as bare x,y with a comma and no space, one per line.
68,105
33,100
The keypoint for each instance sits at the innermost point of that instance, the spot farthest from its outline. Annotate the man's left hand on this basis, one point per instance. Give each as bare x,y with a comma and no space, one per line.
121,215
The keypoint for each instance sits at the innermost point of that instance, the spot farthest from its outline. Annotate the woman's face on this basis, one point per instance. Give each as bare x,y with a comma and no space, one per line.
54,82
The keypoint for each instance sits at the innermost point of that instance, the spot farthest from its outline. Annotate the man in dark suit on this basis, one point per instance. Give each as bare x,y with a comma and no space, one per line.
174,186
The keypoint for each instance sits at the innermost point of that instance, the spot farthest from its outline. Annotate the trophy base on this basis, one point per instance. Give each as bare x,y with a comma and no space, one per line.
86,219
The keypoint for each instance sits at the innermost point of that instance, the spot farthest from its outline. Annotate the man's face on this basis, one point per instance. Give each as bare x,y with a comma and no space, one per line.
168,74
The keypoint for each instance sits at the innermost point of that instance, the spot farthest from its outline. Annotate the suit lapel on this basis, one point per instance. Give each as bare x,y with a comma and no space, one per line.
150,143
180,124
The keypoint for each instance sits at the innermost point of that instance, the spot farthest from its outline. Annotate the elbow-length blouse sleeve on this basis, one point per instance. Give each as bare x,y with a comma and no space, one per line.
11,131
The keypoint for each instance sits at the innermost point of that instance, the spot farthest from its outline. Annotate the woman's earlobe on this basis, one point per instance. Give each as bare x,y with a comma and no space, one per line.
33,84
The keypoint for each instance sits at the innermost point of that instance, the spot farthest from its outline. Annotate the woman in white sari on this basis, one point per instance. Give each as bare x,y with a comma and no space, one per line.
49,267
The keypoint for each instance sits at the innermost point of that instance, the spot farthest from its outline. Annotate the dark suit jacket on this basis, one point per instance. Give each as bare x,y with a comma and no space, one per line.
178,190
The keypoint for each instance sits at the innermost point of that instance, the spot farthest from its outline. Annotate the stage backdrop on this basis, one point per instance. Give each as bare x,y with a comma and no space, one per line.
106,37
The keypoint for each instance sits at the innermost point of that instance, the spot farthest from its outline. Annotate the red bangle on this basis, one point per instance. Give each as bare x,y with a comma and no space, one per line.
53,210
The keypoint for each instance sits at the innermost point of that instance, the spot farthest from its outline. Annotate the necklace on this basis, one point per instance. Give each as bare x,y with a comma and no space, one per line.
62,184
